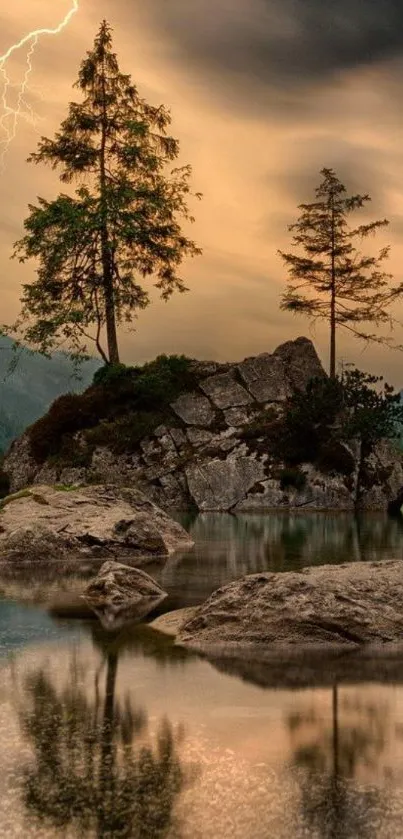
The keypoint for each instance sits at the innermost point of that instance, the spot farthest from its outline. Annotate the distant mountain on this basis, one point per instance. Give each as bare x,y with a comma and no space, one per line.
27,392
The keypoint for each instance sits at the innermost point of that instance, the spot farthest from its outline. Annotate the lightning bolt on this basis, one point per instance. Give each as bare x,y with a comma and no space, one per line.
11,114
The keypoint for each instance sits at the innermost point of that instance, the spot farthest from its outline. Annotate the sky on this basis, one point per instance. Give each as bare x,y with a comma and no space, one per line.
263,95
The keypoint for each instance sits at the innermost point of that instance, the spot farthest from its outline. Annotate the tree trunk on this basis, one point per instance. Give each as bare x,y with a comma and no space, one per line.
107,269
112,338
332,370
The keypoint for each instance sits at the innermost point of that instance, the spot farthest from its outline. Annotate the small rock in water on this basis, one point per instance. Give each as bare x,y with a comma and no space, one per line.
120,594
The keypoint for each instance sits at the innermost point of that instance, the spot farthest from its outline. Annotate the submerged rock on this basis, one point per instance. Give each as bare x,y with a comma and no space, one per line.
345,606
120,594
47,523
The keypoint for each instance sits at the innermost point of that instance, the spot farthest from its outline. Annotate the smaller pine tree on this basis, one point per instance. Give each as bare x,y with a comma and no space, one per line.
333,280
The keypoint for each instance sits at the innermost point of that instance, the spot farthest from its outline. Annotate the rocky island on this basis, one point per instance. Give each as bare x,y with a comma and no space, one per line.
205,435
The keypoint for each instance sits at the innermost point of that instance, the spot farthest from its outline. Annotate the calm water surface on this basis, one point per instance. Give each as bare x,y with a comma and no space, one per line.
130,736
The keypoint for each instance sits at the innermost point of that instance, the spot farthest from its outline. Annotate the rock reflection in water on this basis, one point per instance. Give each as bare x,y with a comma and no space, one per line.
226,547
96,769
229,546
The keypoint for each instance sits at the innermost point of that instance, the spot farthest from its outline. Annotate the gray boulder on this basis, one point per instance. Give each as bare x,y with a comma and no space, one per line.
120,594
194,409
221,484
266,378
225,391
300,361
44,523
345,606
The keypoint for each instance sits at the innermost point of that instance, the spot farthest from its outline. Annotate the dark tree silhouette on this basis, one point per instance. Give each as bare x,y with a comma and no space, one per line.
123,223
333,280
87,771
331,804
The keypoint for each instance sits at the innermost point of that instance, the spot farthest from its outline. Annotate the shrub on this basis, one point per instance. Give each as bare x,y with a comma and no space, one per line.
111,373
373,410
309,419
67,415
125,433
128,402
334,456
292,478
265,425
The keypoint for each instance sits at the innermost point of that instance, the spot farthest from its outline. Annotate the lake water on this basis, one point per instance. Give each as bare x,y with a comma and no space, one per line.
131,736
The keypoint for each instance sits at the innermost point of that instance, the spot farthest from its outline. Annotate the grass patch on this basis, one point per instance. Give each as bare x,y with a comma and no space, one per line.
23,493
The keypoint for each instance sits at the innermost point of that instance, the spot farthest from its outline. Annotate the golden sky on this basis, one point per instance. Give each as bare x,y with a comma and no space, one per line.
263,94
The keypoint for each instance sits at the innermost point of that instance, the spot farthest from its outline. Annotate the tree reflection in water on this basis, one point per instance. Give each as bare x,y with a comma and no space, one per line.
94,769
333,805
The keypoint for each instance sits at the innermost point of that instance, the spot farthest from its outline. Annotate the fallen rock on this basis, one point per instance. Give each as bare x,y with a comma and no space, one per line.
345,606
44,523
120,594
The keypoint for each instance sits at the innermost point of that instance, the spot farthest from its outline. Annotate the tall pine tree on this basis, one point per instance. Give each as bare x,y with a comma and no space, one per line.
121,226
333,280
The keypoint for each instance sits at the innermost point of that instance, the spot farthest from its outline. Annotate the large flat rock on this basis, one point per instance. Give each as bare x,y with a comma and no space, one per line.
194,409
265,377
225,391
44,523
347,606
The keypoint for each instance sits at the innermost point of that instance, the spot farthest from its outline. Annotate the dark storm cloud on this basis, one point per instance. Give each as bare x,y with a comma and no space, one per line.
292,40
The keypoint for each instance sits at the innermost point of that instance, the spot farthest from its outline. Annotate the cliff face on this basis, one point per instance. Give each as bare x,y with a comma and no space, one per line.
208,451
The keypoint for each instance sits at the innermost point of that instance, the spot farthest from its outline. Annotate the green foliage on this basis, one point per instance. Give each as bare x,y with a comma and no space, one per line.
334,456
124,433
309,420
8,499
373,411
122,224
292,477
261,426
125,405
68,415
332,411
332,279
110,373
